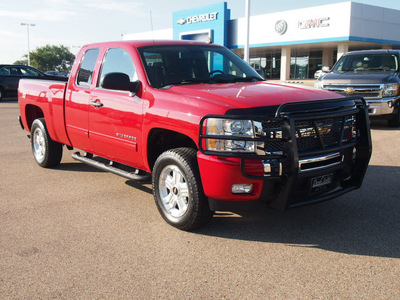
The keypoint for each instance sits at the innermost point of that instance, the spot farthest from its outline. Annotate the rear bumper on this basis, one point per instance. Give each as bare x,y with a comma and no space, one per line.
20,122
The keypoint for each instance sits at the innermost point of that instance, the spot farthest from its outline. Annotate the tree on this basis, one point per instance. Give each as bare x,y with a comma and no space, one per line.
51,57
23,61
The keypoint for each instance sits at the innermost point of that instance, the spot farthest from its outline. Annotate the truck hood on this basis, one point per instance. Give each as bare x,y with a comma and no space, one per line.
247,95
358,77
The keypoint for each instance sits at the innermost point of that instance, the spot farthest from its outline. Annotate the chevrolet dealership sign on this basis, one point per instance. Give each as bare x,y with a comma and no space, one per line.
199,18
207,23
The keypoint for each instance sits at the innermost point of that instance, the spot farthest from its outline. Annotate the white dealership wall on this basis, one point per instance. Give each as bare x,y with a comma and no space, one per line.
339,27
163,34
331,28
375,23
334,19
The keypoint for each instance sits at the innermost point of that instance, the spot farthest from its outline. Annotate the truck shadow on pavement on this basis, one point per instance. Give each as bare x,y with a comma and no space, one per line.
363,222
78,167
382,125
144,186
9,100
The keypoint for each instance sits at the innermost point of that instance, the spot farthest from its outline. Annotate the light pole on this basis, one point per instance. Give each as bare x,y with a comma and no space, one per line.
246,43
27,31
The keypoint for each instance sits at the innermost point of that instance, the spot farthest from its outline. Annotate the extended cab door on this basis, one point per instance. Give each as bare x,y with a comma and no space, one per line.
115,116
77,101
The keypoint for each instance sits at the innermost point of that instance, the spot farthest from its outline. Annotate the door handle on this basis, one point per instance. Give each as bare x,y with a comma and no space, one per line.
96,103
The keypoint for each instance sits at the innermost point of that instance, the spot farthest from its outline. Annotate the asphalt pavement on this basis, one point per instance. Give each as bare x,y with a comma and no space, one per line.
75,232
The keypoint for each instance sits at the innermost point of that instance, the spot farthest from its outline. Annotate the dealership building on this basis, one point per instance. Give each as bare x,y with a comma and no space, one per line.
289,45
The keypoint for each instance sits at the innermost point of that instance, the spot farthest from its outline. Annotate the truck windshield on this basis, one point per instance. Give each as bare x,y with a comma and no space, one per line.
171,65
367,62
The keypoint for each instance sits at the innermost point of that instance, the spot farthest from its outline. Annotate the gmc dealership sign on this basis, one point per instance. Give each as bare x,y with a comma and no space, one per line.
314,23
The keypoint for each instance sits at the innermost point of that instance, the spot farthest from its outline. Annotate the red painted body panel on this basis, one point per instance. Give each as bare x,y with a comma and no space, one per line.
49,96
119,130
115,127
221,173
246,95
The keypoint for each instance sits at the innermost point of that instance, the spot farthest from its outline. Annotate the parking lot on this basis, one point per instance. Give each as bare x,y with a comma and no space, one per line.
78,233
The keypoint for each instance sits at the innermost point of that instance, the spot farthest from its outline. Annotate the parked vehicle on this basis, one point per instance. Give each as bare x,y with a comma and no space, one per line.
321,72
10,76
372,74
56,73
207,129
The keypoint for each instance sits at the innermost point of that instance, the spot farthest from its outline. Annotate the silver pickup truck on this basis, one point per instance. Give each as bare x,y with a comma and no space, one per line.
371,74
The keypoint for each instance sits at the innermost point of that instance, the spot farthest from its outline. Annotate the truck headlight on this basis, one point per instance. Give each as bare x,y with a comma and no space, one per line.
390,90
318,84
235,129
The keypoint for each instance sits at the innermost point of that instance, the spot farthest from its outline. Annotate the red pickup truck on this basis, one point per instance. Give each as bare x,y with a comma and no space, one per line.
206,127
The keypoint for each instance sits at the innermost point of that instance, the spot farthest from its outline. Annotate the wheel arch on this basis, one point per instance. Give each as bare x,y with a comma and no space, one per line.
160,140
32,112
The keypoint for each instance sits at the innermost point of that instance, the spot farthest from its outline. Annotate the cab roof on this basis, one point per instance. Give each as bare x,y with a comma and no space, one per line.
145,43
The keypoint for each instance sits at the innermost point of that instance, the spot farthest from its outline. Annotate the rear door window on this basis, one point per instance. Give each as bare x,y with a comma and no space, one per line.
14,71
86,69
29,72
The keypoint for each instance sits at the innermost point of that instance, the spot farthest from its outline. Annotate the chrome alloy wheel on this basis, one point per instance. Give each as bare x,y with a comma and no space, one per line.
39,145
174,191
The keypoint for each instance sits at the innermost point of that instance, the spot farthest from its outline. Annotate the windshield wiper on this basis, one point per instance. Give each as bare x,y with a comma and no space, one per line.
248,79
186,81
215,79
380,69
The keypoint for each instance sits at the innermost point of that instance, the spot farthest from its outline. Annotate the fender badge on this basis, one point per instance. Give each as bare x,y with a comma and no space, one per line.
125,136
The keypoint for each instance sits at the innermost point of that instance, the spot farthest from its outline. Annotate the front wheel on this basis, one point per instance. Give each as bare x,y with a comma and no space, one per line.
178,191
395,120
47,153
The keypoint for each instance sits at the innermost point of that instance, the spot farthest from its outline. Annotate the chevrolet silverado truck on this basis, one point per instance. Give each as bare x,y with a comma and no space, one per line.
202,124
371,74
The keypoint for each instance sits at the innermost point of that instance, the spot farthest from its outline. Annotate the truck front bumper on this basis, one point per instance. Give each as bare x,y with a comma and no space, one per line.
381,107
332,176
301,174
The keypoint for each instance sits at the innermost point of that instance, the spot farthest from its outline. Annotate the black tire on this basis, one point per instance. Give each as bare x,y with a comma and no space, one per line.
395,120
1,93
178,191
47,153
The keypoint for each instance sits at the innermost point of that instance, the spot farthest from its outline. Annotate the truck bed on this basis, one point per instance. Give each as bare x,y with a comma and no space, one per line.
49,95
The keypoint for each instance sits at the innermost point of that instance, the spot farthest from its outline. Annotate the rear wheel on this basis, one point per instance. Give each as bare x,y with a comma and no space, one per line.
1,94
178,191
47,153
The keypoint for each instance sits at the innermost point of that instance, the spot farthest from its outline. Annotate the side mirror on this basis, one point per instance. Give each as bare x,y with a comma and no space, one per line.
326,69
120,82
261,73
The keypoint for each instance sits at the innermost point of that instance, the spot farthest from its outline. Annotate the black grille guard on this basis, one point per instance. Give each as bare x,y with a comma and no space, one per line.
288,114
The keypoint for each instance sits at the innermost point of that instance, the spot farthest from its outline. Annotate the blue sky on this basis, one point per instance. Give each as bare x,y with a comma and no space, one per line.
74,23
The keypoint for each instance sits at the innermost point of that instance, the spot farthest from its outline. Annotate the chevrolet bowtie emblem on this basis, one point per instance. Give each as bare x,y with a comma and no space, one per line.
325,128
349,91
181,21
